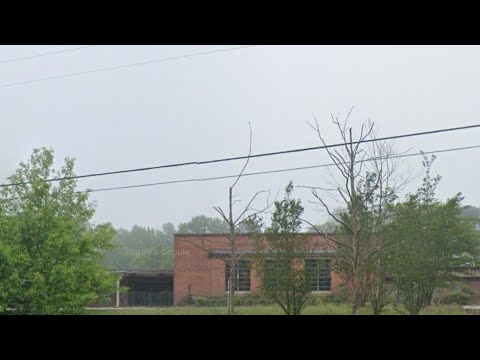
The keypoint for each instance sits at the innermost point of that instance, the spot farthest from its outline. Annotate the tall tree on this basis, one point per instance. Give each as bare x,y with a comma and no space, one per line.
431,239
53,253
237,221
235,224
374,215
142,248
9,269
281,253
357,168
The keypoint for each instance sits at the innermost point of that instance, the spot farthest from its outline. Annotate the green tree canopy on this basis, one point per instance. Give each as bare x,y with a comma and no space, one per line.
281,252
142,248
203,225
51,253
430,239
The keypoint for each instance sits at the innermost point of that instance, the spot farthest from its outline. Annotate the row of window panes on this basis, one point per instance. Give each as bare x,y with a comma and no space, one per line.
319,274
317,270
241,277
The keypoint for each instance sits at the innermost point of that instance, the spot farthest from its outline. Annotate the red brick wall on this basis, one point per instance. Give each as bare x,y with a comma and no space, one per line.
473,283
207,276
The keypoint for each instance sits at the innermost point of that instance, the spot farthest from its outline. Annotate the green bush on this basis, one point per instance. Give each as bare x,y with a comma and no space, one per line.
105,301
252,299
339,296
199,302
264,301
333,299
460,298
210,301
463,295
248,299
237,301
311,300
468,290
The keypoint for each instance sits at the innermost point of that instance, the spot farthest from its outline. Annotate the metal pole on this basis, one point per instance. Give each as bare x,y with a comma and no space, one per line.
118,294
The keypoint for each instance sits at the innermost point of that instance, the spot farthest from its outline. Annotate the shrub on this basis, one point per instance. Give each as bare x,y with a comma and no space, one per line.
462,295
333,299
311,300
340,296
460,298
264,301
200,302
190,300
104,301
237,301
210,301
399,309
252,299
468,290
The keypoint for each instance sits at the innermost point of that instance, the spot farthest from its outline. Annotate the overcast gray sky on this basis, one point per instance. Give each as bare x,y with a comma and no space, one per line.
199,107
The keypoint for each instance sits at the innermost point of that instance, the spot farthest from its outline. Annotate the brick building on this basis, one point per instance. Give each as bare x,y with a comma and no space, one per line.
200,275
144,288
471,278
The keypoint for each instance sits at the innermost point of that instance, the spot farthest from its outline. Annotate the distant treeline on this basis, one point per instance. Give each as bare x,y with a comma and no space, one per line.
145,248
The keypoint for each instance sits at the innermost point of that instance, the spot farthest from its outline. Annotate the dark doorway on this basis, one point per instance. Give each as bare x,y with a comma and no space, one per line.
148,288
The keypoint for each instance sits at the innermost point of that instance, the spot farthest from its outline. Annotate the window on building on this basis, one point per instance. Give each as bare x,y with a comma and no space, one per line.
274,272
319,274
241,275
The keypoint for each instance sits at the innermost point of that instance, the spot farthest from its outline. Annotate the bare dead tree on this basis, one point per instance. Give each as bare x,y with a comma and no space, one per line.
377,270
361,179
229,252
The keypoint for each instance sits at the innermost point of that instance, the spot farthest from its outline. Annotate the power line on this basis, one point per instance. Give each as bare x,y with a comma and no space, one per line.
247,156
123,66
262,172
45,54
273,171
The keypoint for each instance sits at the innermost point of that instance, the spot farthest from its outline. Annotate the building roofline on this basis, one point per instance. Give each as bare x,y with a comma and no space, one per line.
207,234
241,234
142,272
251,252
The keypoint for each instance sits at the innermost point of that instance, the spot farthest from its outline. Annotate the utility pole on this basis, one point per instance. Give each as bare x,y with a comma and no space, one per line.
118,294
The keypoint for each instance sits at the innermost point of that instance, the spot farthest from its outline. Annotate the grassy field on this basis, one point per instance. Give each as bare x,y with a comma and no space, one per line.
267,310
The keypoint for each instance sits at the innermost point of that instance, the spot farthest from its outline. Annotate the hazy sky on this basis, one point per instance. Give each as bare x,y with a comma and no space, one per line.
198,108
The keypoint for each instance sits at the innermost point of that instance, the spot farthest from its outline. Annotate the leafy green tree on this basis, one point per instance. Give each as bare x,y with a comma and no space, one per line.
203,225
377,194
168,230
326,227
357,186
142,249
281,255
430,239
8,270
52,255
472,214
